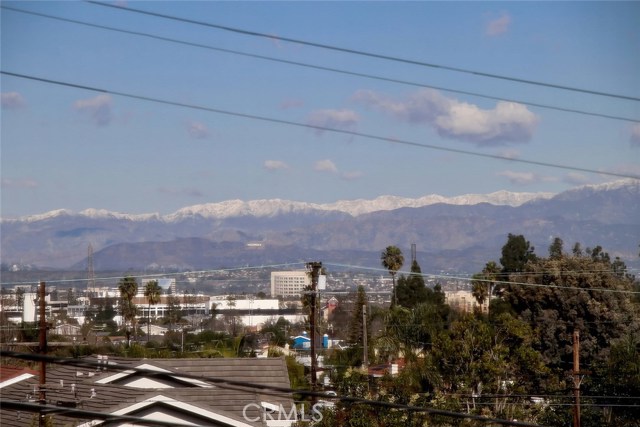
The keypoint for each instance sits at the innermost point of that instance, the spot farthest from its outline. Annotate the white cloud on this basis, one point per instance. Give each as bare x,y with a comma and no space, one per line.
12,100
273,165
333,119
510,154
576,178
525,178
325,166
99,108
508,122
197,130
520,178
175,191
635,135
632,169
499,25
8,183
351,176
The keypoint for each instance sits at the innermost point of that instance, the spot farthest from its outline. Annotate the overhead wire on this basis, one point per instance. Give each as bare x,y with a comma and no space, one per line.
312,126
277,390
340,265
501,282
360,52
45,410
320,67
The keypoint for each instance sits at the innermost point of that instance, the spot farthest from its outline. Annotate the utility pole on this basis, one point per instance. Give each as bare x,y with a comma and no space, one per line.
365,348
576,377
42,307
315,274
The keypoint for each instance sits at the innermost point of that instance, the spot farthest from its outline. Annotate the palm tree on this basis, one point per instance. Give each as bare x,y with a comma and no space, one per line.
392,259
152,291
128,288
483,283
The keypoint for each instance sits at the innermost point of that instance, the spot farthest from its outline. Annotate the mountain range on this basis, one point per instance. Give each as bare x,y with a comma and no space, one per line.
457,234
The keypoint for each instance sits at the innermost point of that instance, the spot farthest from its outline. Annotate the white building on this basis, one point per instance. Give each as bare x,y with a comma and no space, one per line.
255,312
464,301
289,283
168,285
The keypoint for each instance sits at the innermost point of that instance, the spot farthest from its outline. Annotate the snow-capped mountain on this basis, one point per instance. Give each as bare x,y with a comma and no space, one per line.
275,207
469,229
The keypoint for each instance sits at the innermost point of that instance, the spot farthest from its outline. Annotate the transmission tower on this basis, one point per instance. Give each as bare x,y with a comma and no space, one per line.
91,276
413,253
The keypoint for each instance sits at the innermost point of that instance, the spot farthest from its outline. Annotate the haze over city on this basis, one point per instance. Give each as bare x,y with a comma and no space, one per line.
217,101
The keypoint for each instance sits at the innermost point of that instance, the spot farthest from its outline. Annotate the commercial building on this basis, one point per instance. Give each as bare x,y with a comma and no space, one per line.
289,283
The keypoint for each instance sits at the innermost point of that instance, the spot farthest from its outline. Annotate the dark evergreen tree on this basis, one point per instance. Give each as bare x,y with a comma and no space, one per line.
411,290
516,253
555,250
356,326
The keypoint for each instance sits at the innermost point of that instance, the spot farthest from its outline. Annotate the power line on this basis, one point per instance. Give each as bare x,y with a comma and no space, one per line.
501,282
181,273
45,410
320,67
350,266
362,53
267,389
315,127
375,269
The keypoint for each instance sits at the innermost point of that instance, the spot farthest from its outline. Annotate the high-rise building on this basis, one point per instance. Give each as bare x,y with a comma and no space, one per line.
289,283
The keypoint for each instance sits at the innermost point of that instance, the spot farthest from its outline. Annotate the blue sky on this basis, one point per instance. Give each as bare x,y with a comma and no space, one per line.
65,147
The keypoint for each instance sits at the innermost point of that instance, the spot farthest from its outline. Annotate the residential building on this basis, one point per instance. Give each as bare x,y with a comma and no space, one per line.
464,301
163,390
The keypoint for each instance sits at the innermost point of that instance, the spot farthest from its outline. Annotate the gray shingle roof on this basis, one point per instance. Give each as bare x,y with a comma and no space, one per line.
113,396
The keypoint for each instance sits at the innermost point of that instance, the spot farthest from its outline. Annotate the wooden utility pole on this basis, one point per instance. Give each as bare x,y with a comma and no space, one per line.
315,275
42,321
365,348
576,377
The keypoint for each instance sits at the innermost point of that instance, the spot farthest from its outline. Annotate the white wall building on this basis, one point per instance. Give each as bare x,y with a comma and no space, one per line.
289,283
464,301
168,285
254,313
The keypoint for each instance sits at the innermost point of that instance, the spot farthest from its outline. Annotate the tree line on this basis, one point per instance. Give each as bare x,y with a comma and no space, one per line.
511,361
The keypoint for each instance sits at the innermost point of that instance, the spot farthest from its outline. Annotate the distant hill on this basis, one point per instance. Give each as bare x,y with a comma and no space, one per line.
457,234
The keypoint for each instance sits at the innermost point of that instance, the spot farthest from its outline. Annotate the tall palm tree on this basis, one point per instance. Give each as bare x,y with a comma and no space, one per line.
152,291
392,259
128,288
483,283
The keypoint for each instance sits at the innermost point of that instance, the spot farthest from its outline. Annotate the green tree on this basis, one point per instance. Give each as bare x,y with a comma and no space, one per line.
128,287
476,358
392,259
152,291
173,314
555,250
356,325
276,331
483,283
516,253
557,296
618,378
411,290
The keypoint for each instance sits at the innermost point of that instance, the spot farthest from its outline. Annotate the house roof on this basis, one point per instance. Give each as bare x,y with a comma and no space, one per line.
134,393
